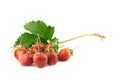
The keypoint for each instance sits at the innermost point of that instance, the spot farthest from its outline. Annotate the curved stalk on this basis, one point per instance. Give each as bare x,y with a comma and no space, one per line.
83,35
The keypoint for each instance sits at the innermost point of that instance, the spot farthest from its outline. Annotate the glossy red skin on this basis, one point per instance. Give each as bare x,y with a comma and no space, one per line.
39,46
26,59
52,58
40,60
64,54
32,50
18,53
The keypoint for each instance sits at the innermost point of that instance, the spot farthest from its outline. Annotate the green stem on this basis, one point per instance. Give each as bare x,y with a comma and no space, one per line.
20,41
83,35
38,39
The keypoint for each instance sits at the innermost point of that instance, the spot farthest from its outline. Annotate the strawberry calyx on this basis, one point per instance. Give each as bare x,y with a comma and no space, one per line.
20,47
70,51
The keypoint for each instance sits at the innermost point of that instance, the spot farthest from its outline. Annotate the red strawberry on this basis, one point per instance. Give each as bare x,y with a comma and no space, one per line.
26,59
40,60
39,46
33,50
52,58
18,53
64,54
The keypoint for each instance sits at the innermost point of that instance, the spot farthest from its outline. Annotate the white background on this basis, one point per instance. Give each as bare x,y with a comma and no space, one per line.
92,60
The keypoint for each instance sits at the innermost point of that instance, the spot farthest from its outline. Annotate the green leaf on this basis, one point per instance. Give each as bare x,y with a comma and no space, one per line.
26,39
39,27
49,32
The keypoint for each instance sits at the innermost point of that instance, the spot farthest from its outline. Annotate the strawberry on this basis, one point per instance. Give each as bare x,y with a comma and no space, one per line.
39,46
52,58
40,60
18,53
64,54
26,59
32,50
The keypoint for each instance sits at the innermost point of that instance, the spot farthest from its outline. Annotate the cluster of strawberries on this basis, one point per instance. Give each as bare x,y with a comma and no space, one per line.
40,55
